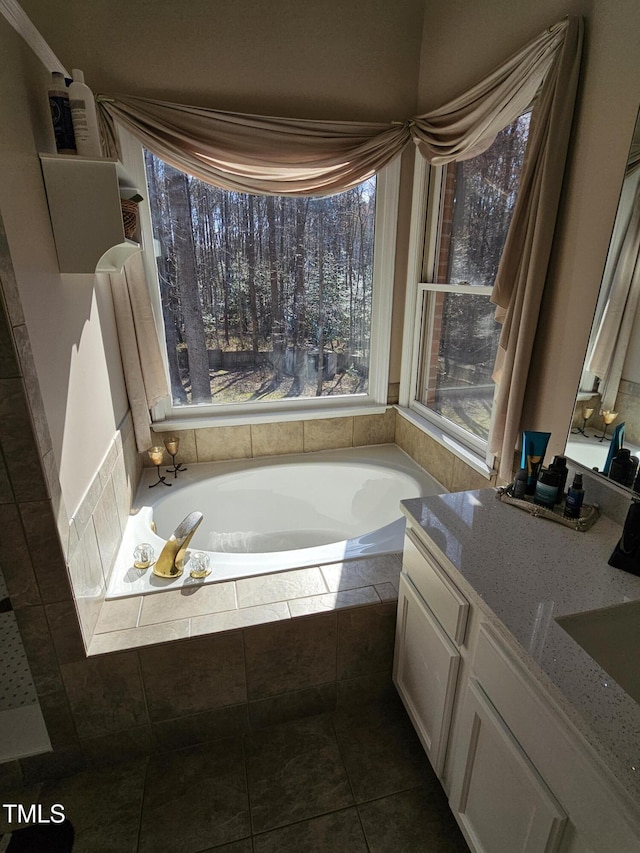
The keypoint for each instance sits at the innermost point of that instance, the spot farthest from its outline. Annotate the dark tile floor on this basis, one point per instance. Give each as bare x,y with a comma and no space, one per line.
342,783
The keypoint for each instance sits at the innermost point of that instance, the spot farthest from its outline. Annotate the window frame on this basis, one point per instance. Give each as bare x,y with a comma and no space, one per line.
373,401
421,269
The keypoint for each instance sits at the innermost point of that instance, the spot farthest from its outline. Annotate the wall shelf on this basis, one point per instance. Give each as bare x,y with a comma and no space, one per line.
84,195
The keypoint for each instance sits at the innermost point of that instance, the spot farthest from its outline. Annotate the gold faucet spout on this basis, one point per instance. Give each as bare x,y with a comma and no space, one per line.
170,563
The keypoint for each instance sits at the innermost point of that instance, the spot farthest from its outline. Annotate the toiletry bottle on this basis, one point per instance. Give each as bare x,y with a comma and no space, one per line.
83,113
61,114
575,496
559,464
547,488
620,468
633,471
519,487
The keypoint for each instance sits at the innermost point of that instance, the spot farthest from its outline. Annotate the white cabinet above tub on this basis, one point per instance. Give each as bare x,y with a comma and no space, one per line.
84,197
540,745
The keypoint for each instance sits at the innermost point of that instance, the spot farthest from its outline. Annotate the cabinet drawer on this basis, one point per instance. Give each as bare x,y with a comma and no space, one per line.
445,600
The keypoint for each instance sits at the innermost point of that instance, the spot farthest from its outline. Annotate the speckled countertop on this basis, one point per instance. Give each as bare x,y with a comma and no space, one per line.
524,572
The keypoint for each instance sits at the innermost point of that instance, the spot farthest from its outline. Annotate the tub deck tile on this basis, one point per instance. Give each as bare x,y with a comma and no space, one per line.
242,618
362,572
187,602
333,601
283,586
133,638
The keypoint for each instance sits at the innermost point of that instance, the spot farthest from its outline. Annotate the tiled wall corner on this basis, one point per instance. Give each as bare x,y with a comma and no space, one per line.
454,474
218,444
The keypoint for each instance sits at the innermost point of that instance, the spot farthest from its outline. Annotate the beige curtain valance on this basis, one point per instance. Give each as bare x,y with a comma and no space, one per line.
281,156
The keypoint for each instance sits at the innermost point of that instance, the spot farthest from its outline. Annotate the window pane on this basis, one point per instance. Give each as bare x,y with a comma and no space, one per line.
480,195
458,384
263,298
459,335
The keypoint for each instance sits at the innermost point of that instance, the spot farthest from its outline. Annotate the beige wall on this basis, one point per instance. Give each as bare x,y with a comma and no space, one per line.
320,58
69,319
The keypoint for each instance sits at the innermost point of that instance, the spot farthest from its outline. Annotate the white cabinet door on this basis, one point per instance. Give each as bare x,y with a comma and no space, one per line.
499,799
425,670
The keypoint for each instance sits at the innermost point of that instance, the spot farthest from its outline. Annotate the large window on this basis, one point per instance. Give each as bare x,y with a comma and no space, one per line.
455,333
269,300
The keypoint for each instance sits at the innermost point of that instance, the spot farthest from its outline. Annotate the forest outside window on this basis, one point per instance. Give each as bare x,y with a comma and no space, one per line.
456,334
267,299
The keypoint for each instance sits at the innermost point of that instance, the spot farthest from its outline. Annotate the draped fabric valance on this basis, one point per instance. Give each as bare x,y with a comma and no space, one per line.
281,156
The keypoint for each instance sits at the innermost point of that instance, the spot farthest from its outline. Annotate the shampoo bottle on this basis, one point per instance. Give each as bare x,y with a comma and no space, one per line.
61,114
85,120
559,464
575,496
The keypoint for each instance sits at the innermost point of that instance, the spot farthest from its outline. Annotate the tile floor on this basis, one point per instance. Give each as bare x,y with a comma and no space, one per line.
347,782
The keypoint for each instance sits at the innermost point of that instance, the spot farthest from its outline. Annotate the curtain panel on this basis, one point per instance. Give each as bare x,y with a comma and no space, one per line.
280,156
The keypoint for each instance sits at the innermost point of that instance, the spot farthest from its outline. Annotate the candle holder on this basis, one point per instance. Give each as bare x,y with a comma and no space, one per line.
156,455
172,444
586,414
608,418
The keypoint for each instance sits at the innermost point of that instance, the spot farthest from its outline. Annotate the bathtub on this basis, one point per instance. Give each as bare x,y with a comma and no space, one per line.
274,513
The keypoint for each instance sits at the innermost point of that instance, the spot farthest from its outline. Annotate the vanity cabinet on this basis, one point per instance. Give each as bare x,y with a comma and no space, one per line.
519,775
427,655
84,198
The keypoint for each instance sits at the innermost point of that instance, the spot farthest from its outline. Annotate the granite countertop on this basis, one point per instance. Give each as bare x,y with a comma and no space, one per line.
524,572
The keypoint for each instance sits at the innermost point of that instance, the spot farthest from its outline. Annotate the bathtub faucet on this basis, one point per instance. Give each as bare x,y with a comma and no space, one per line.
170,563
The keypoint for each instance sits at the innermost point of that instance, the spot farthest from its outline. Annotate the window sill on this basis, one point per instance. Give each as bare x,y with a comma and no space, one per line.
205,421
473,460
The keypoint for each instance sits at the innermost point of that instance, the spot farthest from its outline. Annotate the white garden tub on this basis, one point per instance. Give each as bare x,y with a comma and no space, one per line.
274,513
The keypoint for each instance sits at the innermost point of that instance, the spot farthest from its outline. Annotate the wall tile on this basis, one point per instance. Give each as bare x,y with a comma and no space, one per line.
21,454
187,452
65,631
105,694
193,676
365,640
107,526
374,429
200,728
219,443
8,282
87,579
32,386
123,489
287,656
327,433
17,568
463,478
46,554
427,452
84,511
276,438
9,366
108,463
6,492
283,586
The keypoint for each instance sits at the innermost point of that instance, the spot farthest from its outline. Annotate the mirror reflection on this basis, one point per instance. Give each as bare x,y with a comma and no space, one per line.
607,411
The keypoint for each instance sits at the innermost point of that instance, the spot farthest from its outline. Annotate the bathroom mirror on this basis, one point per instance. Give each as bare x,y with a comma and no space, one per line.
610,381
